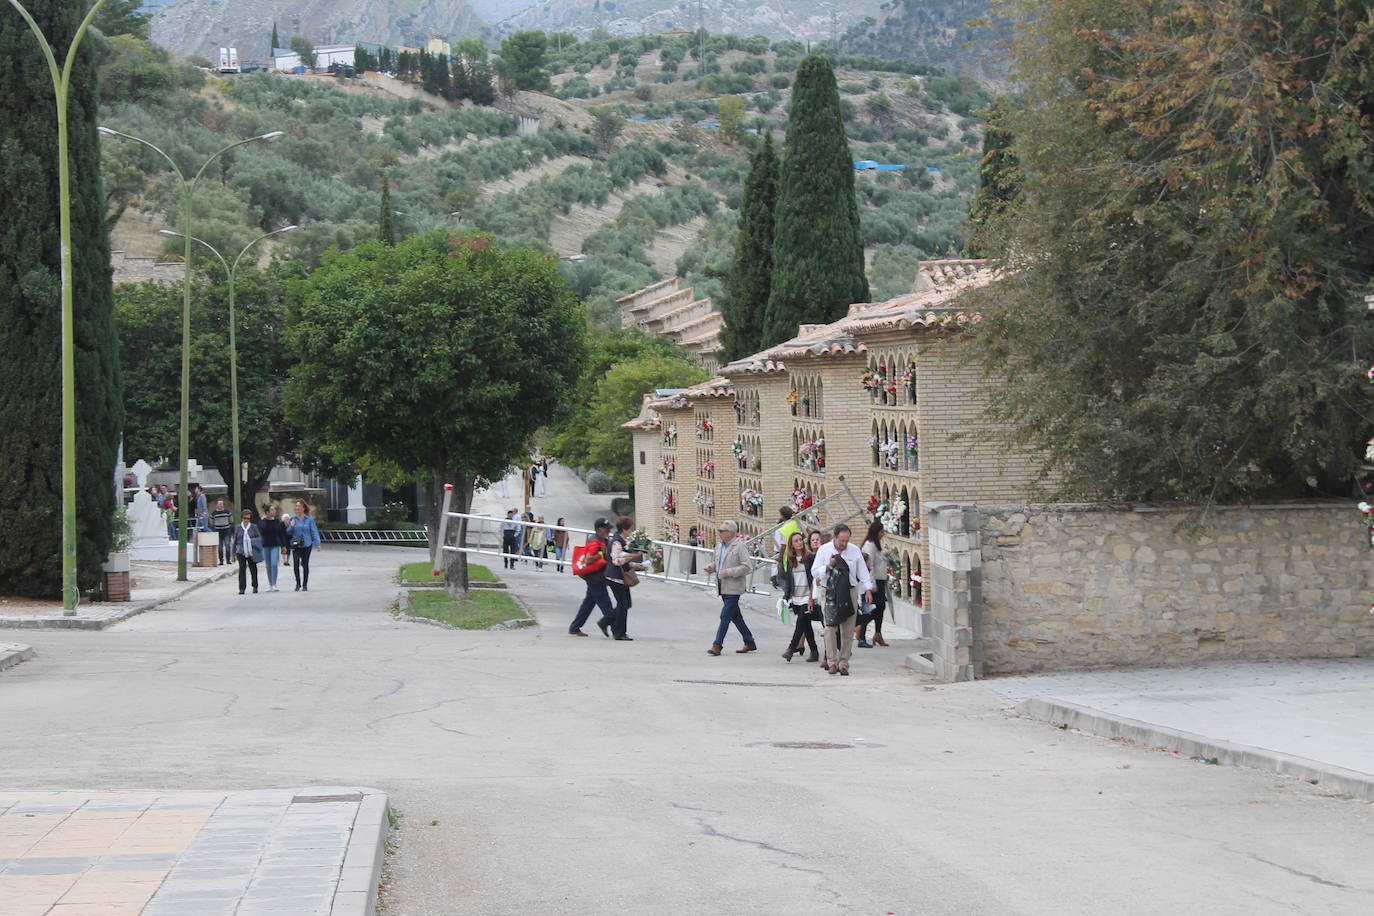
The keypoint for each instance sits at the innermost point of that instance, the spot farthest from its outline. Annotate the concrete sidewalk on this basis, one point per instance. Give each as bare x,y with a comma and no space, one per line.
1304,718
154,584
302,851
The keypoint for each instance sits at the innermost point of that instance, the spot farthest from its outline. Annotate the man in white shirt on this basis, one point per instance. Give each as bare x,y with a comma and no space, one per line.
839,634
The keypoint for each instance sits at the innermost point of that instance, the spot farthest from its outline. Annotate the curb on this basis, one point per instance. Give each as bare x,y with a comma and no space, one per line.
356,892
100,623
12,653
1095,722
519,623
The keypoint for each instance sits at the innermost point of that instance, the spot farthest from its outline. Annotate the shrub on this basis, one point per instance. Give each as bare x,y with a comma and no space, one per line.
598,482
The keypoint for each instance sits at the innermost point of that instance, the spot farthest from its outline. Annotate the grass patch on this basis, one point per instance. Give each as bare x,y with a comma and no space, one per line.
423,572
480,610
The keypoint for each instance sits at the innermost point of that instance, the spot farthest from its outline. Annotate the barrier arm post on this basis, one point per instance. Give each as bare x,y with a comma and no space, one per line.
437,563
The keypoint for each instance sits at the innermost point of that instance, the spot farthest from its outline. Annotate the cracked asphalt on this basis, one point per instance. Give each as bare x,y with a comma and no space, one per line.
538,773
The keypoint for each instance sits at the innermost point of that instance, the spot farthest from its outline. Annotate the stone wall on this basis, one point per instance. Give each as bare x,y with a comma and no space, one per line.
1067,586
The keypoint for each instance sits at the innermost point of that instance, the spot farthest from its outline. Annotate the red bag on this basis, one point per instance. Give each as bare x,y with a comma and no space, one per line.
589,559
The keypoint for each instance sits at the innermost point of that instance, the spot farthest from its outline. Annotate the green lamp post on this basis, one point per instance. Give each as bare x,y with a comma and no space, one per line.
231,271
188,189
61,84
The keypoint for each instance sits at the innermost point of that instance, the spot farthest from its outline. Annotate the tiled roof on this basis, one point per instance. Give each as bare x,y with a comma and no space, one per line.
648,418
948,273
651,287
927,308
815,340
716,388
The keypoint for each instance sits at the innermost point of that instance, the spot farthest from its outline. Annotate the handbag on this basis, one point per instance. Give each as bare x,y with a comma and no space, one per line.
629,577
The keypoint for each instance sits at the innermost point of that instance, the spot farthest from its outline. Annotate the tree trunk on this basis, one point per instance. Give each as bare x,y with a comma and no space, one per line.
453,564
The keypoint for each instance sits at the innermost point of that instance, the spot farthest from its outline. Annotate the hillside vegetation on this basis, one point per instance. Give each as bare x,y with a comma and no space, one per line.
639,198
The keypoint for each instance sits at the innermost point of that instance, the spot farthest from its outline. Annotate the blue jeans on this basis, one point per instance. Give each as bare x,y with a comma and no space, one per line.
730,613
272,557
598,595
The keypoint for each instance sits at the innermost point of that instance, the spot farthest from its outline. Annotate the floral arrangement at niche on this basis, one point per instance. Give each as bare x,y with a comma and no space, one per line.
669,502
872,381
672,532
670,435
751,501
707,468
669,469
792,397
891,517
801,499
811,455
703,500
704,428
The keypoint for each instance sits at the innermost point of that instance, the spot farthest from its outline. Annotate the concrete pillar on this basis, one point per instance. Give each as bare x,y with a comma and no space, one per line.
953,588
356,513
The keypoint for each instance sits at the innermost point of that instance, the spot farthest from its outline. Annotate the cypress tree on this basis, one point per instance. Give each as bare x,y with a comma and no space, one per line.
818,250
30,313
276,41
385,234
751,269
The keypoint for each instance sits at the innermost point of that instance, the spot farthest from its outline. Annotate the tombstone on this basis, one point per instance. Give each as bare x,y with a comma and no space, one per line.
145,518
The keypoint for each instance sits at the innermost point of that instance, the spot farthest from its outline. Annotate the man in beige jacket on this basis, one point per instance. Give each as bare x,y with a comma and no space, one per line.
732,561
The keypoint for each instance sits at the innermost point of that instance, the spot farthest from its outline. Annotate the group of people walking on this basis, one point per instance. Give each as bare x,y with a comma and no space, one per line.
834,582
264,542
526,538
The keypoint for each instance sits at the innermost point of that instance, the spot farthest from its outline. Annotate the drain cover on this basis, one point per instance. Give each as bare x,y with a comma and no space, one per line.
810,745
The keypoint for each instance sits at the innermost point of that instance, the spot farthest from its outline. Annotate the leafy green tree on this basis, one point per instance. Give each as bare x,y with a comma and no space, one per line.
1188,254
139,72
363,60
148,320
997,171
750,277
305,49
730,112
618,399
818,252
606,126
385,233
30,315
570,438
468,349
123,17
276,40
522,61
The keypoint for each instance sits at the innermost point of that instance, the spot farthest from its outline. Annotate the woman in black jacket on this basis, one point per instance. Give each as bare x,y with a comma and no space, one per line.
273,539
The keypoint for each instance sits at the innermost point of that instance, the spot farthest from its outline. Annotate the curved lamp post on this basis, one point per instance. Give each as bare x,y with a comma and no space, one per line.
61,84
231,271
188,189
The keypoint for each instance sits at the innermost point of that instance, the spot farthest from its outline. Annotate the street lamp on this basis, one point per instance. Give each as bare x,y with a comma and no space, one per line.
231,271
188,190
61,83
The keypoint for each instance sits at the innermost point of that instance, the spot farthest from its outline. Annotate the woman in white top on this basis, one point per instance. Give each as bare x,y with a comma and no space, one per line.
878,571
794,572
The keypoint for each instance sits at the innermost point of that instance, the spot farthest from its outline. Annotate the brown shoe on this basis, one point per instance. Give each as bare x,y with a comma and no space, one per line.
714,650
878,639
576,633
748,647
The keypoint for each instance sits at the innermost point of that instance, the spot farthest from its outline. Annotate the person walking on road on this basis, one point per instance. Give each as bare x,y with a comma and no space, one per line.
304,537
247,542
543,477
597,593
878,572
510,544
222,523
536,540
560,541
732,569
794,572
840,567
273,537
622,558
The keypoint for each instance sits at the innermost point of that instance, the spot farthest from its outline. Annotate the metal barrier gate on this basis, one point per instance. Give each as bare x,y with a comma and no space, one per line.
682,563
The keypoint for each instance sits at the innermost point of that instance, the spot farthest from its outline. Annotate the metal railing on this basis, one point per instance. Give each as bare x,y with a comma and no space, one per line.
681,563
376,536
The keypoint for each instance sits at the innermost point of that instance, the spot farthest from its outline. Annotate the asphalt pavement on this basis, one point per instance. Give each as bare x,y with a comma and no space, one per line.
534,772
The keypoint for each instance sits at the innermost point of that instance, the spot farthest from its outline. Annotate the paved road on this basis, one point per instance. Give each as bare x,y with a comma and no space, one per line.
538,773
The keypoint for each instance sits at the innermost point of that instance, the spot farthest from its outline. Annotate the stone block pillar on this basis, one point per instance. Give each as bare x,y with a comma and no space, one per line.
953,589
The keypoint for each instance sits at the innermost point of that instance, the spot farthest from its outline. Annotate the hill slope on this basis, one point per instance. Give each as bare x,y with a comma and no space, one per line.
201,26
802,20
